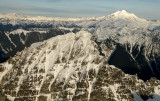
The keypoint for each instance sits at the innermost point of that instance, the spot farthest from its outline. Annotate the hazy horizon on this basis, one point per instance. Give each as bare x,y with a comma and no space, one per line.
147,9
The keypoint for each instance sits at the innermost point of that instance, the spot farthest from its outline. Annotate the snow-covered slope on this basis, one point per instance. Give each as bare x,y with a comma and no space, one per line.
17,40
140,38
70,67
119,18
124,15
14,16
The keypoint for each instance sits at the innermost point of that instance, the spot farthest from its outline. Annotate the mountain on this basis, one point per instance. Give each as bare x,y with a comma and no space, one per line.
17,40
135,41
14,16
124,15
70,67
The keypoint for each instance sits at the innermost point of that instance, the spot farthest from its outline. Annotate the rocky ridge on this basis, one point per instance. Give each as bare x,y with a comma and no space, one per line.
70,67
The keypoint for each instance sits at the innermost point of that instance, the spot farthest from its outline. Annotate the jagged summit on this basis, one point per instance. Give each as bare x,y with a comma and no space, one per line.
70,67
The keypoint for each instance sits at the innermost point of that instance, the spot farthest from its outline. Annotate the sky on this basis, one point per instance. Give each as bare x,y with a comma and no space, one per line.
148,9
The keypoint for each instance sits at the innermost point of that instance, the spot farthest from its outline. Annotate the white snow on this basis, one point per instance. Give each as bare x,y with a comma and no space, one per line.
6,70
25,32
118,18
70,29
35,45
121,26
14,16
125,15
7,34
3,49
19,31
10,98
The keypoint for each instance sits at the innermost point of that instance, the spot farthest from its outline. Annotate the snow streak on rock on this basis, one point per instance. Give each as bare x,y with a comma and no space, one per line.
69,67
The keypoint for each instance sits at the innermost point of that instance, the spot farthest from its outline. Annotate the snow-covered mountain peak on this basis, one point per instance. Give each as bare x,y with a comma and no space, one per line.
119,14
123,12
124,15
12,16
16,17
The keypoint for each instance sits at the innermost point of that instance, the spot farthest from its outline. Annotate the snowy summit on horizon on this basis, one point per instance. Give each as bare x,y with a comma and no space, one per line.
123,14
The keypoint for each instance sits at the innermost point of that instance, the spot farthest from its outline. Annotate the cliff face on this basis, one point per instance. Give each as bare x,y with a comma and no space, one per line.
17,40
137,51
135,41
70,67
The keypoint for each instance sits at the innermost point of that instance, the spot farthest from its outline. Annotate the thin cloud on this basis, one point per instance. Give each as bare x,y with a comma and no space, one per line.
80,8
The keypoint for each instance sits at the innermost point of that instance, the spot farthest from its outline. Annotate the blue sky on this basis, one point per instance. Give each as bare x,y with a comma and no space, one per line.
148,9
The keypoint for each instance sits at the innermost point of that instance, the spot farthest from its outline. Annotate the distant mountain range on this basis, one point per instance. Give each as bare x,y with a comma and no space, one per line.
46,58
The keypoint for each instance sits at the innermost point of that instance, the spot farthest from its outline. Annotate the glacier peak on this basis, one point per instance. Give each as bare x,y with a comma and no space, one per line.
123,14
